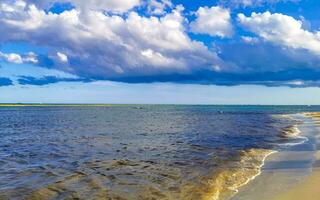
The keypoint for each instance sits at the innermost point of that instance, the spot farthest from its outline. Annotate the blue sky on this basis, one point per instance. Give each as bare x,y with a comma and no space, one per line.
160,51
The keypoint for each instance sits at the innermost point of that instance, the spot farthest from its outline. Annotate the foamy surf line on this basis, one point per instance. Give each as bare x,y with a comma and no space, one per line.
289,168
260,170
292,132
253,161
236,189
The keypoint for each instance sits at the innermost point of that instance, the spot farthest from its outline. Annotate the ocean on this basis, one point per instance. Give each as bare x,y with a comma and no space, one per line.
139,151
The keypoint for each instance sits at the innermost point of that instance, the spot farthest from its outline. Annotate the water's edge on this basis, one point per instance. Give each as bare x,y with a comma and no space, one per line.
286,168
227,184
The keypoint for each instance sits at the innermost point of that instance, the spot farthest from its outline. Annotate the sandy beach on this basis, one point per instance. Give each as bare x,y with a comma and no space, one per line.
309,187
293,174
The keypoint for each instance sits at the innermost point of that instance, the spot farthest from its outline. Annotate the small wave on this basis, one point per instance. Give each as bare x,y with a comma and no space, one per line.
312,114
292,134
290,131
315,116
226,183
283,116
299,139
107,178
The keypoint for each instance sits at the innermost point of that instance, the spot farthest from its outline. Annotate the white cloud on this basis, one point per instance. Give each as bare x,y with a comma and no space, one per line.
158,7
17,5
216,68
296,83
252,3
62,57
18,59
214,21
31,58
118,6
107,45
11,57
250,40
158,60
283,30
109,5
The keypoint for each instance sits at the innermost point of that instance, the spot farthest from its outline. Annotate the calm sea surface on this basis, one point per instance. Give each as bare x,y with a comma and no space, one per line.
137,152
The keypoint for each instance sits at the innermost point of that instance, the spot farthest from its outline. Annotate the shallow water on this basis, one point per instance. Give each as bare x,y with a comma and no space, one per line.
287,168
137,152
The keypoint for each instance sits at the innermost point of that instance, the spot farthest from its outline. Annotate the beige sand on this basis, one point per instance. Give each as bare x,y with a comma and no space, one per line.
287,181
309,188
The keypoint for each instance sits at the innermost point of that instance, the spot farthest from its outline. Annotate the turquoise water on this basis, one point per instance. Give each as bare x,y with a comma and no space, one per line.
134,152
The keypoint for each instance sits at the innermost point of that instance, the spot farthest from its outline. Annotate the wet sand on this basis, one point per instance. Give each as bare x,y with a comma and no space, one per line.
309,187
293,174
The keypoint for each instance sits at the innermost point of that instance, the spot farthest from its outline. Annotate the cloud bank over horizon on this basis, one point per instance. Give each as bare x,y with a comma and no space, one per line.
145,41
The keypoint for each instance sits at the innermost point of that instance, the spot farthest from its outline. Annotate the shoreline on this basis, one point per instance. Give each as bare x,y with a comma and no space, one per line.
285,171
259,173
57,105
226,184
292,132
308,187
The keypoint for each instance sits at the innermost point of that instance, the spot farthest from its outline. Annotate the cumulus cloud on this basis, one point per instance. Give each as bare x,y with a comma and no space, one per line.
268,57
103,45
282,29
159,7
109,5
251,3
214,21
250,40
117,6
62,57
30,58
12,57
154,44
18,59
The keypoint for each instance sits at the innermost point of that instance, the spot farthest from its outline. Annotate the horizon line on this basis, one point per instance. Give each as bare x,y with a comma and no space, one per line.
136,104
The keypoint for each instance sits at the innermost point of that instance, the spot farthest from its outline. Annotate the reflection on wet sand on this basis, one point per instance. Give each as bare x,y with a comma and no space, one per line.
291,174
308,188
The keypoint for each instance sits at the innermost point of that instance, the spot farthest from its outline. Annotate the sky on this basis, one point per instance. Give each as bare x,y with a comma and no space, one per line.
160,51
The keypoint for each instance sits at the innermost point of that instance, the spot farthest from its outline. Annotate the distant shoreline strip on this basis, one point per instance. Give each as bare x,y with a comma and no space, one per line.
60,105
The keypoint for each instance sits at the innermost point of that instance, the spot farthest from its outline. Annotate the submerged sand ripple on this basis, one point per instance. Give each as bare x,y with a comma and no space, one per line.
148,180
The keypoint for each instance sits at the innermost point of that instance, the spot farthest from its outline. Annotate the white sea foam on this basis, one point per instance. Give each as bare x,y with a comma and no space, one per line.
252,162
236,189
293,133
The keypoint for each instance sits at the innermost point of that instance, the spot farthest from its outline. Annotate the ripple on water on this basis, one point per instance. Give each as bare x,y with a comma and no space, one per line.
123,153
